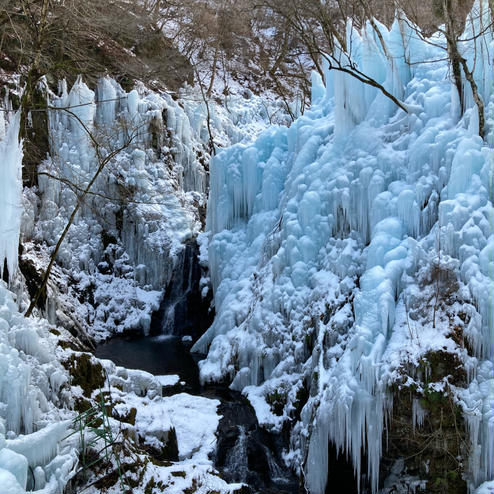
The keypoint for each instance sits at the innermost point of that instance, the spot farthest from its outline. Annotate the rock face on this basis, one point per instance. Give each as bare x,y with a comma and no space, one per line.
185,310
245,452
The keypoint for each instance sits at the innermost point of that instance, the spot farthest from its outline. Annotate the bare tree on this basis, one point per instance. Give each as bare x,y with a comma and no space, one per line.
34,36
453,15
320,28
103,157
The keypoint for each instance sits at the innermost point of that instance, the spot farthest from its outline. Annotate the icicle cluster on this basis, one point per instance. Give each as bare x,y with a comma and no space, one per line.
349,194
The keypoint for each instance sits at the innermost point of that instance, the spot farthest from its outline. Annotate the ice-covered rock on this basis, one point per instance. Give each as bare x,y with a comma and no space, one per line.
316,230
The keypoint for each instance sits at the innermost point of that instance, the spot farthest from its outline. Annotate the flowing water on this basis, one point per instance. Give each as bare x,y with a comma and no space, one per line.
245,452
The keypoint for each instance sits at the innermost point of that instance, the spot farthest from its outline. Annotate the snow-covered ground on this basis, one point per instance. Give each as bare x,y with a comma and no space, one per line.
193,419
323,243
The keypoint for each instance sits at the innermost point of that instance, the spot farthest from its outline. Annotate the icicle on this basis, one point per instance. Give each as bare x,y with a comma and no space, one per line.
40,447
10,196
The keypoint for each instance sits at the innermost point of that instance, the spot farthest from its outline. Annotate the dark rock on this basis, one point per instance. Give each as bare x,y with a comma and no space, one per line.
33,279
183,310
245,452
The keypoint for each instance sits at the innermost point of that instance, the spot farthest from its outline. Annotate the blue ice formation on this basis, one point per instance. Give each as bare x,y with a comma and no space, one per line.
318,231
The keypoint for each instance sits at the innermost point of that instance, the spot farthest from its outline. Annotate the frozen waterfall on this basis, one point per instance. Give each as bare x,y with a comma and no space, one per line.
315,231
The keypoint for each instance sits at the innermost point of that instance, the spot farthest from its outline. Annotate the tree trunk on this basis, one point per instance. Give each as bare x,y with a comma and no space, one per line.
34,130
458,63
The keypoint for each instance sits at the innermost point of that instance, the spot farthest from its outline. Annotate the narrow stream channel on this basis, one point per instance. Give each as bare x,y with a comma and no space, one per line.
245,452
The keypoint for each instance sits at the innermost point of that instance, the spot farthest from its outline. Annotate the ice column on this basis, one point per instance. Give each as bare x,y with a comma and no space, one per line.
10,195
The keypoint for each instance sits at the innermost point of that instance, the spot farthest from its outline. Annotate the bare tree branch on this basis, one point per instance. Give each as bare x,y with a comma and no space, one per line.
80,199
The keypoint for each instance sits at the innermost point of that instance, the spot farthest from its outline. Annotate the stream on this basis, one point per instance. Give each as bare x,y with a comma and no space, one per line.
245,452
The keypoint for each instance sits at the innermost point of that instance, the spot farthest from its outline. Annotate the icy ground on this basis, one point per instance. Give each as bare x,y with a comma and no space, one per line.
323,240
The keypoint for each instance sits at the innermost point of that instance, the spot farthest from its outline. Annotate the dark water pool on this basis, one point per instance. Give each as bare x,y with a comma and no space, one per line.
158,355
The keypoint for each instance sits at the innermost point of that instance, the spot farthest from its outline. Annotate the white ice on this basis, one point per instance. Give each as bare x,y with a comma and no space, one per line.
10,195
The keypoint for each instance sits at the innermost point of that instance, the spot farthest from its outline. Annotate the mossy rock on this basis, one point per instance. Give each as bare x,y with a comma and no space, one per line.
108,480
301,398
277,401
153,487
440,364
193,488
69,345
160,463
170,451
434,451
82,405
85,372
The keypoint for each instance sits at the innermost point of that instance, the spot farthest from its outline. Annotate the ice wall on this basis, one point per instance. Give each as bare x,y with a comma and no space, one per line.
33,455
315,231
148,201
10,194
